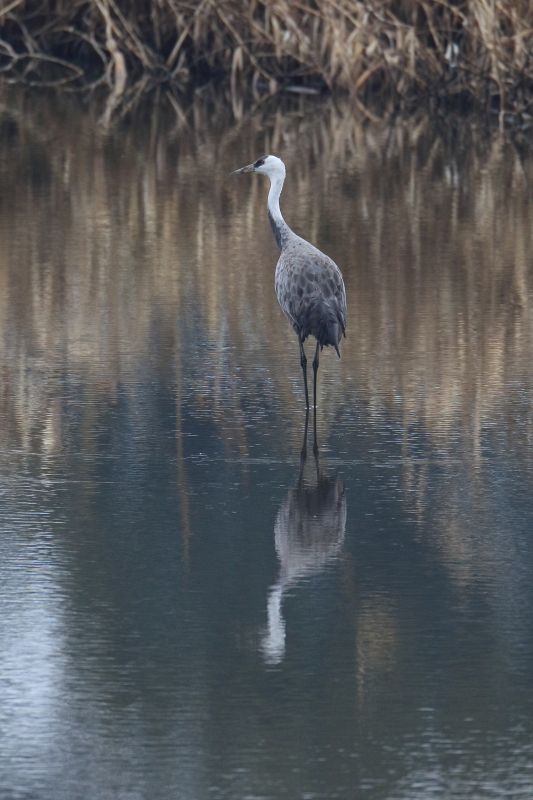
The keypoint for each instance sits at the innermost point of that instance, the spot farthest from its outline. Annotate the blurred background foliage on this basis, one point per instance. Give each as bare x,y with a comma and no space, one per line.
472,51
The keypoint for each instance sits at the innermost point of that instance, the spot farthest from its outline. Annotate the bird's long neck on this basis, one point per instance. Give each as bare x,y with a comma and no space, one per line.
279,227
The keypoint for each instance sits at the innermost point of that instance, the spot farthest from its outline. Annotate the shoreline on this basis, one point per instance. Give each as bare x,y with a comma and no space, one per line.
476,54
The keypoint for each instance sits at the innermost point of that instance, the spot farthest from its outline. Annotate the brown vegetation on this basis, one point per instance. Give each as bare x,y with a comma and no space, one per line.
477,50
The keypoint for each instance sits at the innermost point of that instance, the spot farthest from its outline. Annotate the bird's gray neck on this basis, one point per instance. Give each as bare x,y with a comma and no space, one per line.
280,229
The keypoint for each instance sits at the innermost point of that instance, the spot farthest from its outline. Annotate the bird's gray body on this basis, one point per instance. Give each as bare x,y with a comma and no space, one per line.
309,285
310,291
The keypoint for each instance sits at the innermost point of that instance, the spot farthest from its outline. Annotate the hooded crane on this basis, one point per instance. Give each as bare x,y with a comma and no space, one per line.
308,283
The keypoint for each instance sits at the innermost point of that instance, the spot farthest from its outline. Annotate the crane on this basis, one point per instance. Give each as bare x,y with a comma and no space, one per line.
308,283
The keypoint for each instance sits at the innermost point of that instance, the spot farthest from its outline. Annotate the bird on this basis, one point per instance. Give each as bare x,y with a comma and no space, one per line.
309,285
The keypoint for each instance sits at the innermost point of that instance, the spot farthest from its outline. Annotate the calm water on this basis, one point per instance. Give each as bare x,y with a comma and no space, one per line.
181,616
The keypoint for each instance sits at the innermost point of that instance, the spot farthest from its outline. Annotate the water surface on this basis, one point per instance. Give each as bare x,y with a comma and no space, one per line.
186,614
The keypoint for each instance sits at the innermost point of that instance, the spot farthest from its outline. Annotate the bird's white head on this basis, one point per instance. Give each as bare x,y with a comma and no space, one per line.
266,165
275,169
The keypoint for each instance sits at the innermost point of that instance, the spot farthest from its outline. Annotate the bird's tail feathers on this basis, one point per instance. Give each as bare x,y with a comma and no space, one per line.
328,332
321,320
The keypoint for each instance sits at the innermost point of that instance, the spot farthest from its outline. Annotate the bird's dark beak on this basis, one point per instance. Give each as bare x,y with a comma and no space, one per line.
249,168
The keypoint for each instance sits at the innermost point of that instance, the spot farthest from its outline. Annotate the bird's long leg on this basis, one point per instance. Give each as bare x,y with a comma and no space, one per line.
303,454
315,370
315,439
317,461
303,362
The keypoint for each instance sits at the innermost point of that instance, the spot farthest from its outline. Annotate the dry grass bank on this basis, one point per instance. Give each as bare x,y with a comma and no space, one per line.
476,50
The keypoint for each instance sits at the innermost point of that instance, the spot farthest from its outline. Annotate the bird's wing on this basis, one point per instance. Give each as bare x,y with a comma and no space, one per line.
306,278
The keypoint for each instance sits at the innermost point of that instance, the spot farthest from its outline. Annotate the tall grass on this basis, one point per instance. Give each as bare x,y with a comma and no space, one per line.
479,50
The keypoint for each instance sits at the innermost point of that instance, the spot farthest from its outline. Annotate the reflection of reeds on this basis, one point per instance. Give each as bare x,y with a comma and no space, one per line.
105,240
405,47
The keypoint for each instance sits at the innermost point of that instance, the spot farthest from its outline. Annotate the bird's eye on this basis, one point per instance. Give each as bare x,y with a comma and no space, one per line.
259,162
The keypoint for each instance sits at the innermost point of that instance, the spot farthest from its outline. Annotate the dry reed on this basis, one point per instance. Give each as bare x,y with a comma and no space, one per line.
475,50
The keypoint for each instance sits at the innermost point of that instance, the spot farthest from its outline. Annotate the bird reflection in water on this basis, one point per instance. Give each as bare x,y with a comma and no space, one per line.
308,533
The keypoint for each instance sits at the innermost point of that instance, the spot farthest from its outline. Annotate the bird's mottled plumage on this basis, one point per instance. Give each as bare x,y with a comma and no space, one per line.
308,284
310,291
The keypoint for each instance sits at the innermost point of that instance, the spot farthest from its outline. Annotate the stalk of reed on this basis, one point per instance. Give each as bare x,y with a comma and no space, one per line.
475,49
